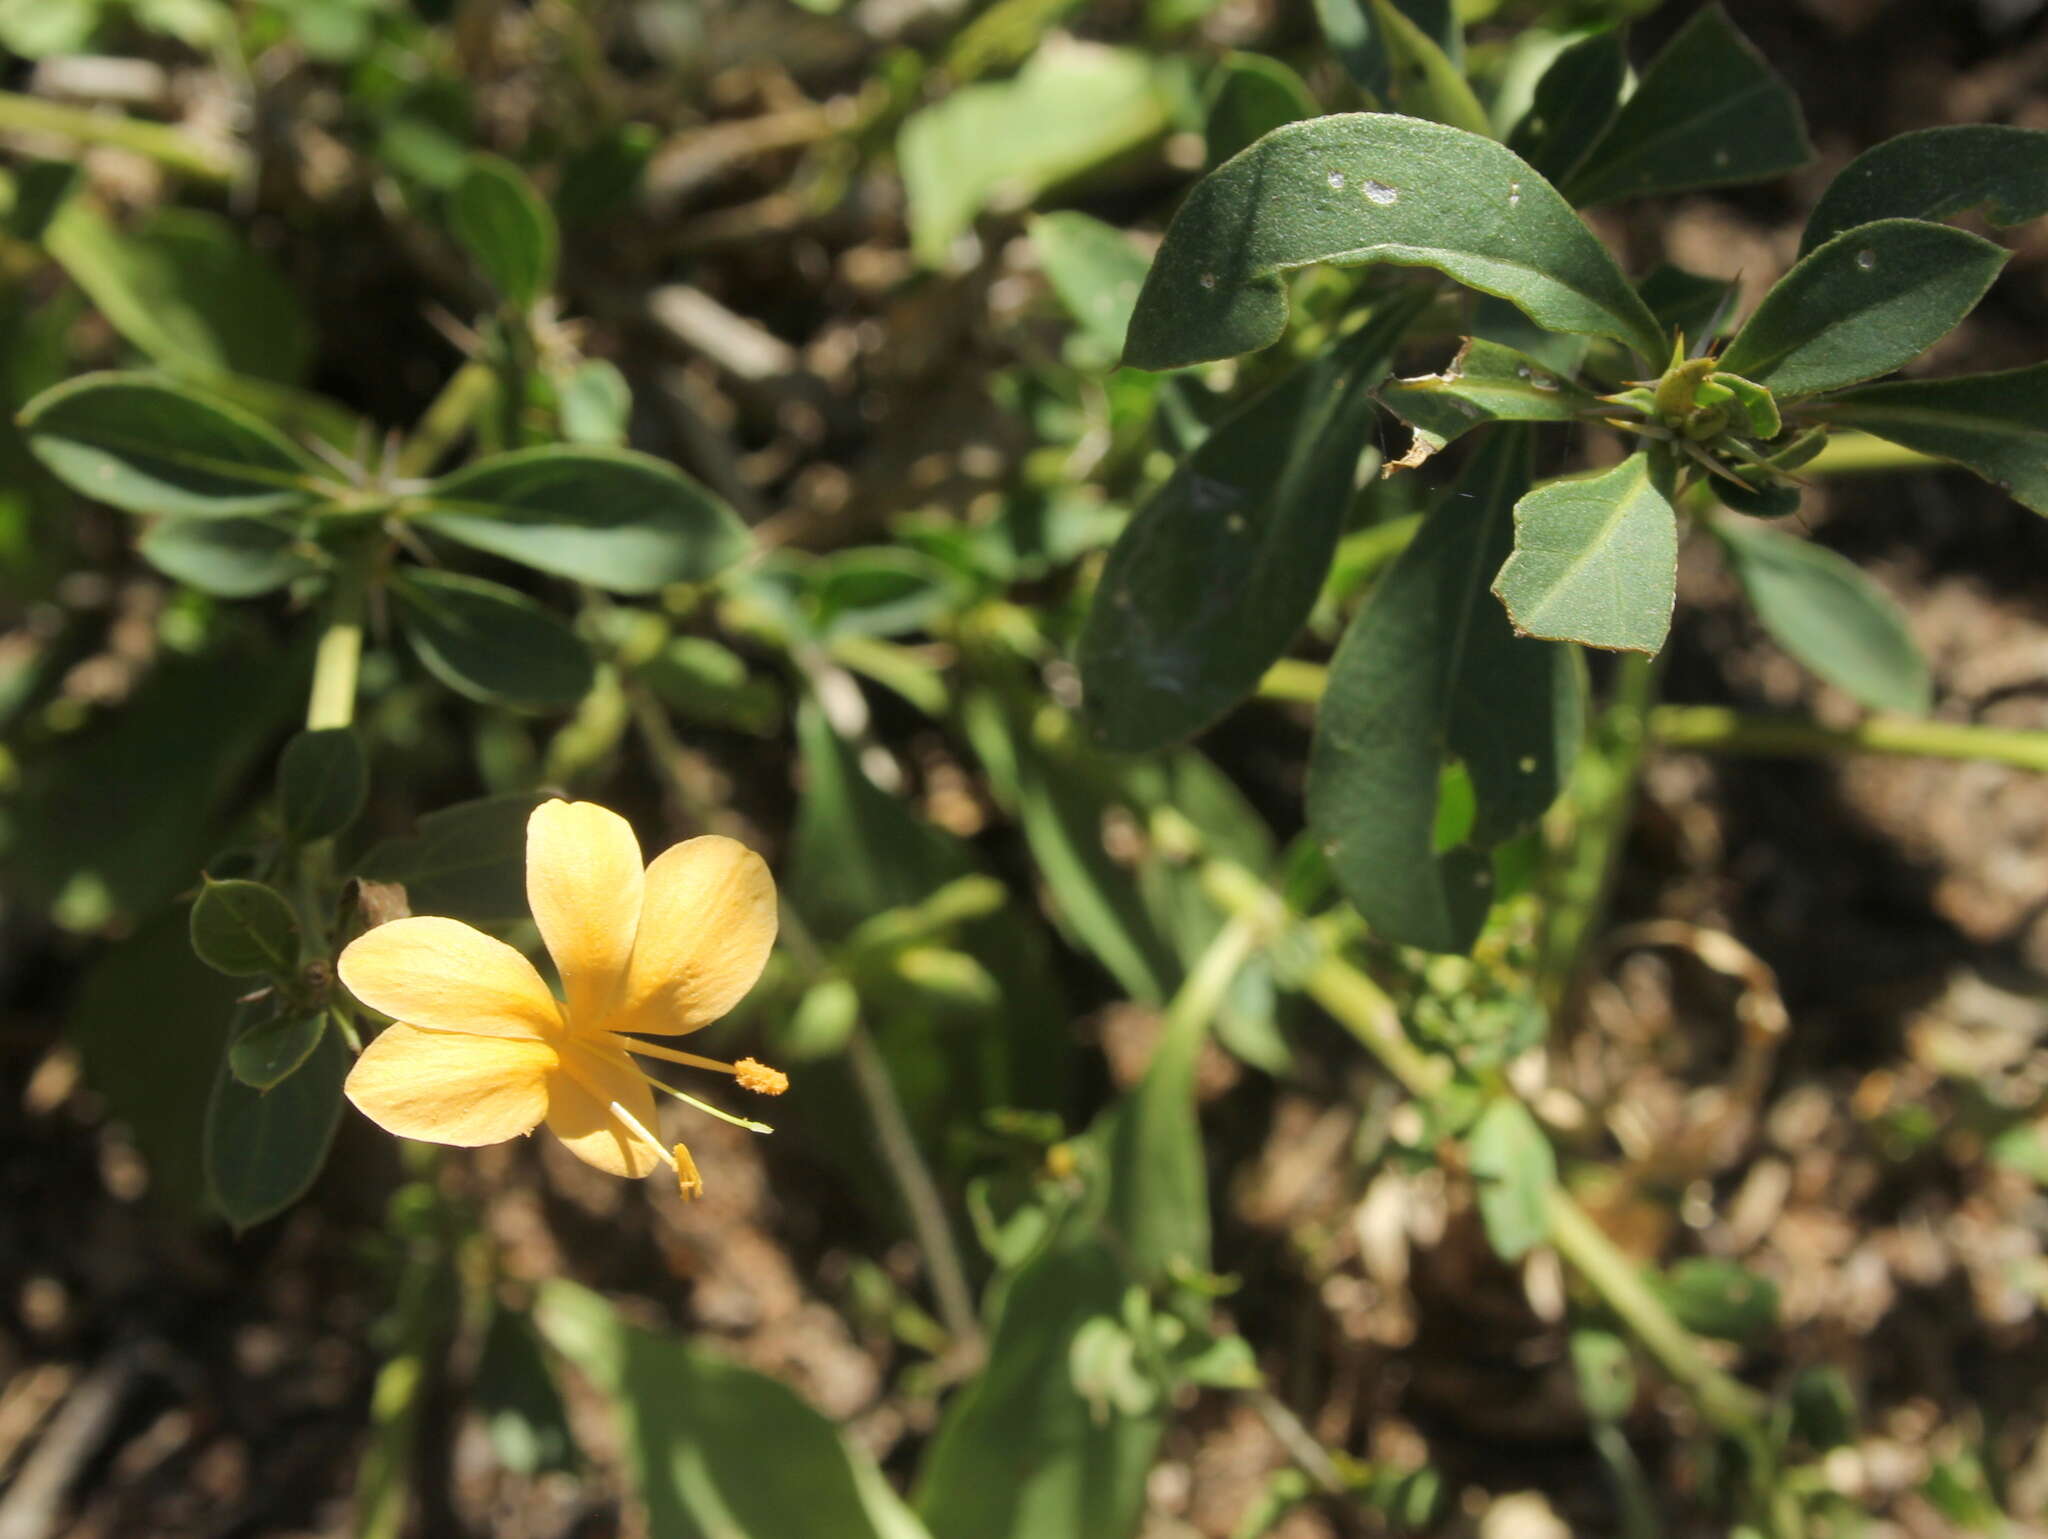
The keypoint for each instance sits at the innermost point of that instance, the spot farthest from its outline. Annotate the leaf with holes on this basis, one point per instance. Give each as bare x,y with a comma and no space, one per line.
1484,383
1360,188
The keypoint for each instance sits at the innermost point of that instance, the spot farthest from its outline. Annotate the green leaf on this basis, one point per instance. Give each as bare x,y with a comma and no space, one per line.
878,590
595,402
1426,81
1686,303
702,681
1709,111
1821,608
467,861
1356,38
507,228
1868,301
1575,101
1360,188
1429,671
1515,1169
1073,106
323,779
1095,271
1595,560
490,643
144,446
264,1147
717,1451
1019,1453
514,1392
1250,95
608,517
1484,383
1993,424
1937,173
1606,1373
1718,1298
148,1022
271,1051
1212,579
227,557
186,289
245,929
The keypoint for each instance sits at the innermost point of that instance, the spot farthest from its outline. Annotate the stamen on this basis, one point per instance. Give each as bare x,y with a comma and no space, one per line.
675,1055
656,1144
704,1106
756,1076
687,1179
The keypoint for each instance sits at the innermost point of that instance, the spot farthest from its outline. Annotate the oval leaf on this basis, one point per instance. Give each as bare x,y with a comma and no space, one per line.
1595,561
1364,187
1095,271
323,779
1821,608
270,1052
1934,174
1431,672
244,929
1868,301
506,227
1708,112
1574,102
143,446
227,557
608,517
1215,575
1250,95
1994,424
467,861
490,643
1515,1168
264,1147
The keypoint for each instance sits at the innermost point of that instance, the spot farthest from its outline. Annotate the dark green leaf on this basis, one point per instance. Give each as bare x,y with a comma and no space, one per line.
1575,101
600,179
144,446
323,778
717,1451
1709,111
490,643
1095,271
1360,188
1484,383
1686,303
1823,1408
186,289
1250,95
878,590
1993,424
506,227
702,681
1019,1453
149,1022
245,930
271,1051
1513,1164
1427,80
1073,106
1431,670
1821,608
1595,560
1356,38
1868,301
1934,174
1721,1299
264,1147
514,1392
467,861
1213,578
608,517
227,557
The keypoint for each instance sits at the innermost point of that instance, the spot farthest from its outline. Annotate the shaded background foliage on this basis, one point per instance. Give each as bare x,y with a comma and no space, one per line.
905,392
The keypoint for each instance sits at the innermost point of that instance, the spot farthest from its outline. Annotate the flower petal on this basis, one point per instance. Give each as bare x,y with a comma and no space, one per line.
447,1087
583,881
442,975
590,1077
707,924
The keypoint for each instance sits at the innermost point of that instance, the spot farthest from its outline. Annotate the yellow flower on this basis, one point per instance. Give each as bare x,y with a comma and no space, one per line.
481,1051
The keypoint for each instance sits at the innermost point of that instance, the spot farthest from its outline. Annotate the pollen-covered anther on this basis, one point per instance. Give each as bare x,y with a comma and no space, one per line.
687,1180
756,1076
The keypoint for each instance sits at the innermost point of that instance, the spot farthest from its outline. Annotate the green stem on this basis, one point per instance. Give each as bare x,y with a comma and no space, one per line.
1728,1404
170,148
469,391
1716,729
332,701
